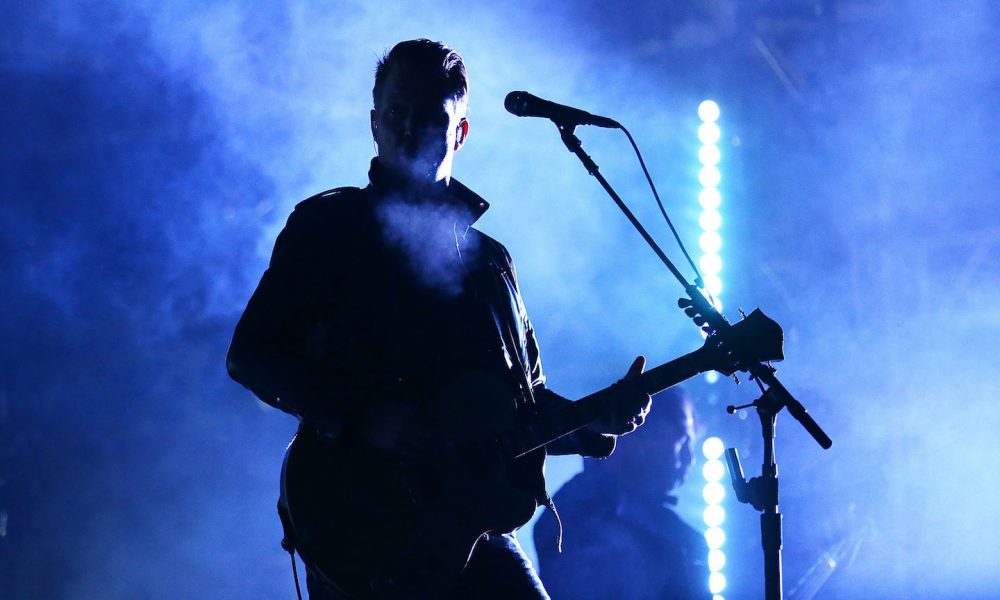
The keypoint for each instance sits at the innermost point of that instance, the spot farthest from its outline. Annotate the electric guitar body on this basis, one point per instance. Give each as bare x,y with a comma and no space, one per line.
379,525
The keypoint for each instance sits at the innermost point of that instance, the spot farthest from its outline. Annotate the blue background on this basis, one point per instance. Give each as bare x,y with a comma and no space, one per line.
151,152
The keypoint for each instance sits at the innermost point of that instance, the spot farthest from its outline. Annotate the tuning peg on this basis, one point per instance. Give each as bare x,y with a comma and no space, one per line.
689,311
684,302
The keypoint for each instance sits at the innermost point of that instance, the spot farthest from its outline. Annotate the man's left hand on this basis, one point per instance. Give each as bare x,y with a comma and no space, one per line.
628,410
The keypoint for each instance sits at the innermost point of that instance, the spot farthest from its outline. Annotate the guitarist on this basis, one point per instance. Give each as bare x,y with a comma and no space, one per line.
381,297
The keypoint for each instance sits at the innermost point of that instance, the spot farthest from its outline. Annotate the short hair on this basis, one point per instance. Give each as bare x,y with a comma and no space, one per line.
427,58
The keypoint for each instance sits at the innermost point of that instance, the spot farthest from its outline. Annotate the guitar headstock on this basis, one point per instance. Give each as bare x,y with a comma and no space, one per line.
733,347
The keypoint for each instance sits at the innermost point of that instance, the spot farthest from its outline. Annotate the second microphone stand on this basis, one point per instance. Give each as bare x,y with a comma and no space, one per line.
762,492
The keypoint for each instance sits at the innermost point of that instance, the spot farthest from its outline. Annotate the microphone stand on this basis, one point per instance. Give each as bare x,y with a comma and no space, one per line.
761,492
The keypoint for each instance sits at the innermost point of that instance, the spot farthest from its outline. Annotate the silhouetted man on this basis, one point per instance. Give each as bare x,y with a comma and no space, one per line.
621,539
378,300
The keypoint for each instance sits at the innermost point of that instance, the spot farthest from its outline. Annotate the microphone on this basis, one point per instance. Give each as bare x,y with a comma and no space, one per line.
523,104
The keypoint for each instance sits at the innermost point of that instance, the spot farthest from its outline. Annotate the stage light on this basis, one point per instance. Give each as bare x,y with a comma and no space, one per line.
708,111
716,560
709,133
714,492
716,582
713,284
709,198
710,264
709,154
710,219
714,515
713,470
715,537
710,242
712,448
709,176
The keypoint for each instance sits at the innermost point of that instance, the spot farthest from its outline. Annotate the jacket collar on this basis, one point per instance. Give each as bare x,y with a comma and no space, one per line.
471,205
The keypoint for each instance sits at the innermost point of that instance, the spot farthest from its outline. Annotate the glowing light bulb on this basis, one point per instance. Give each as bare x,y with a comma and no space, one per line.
710,264
715,538
716,582
710,219
713,284
714,515
709,198
712,448
713,470
713,493
709,176
716,560
709,133
710,242
709,154
708,111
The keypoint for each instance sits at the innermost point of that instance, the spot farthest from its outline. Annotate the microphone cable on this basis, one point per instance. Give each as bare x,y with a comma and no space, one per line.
698,278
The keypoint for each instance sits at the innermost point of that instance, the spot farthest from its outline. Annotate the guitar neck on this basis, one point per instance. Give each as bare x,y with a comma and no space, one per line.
553,425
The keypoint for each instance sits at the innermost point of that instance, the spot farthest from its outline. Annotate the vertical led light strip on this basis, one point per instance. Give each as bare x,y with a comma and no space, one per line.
709,198
714,514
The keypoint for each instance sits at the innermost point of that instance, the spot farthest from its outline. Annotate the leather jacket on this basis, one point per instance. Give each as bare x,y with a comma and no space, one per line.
386,292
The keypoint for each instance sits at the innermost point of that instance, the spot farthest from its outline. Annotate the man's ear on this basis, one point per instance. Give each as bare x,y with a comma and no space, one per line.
461,132
374,126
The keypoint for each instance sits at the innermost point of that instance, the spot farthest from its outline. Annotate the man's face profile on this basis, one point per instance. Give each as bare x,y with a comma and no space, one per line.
417,126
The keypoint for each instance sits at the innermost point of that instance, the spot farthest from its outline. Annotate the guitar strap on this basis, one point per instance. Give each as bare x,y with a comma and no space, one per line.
512,336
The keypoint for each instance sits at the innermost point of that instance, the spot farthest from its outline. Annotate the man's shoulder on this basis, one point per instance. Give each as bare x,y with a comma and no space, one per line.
492,245
336,199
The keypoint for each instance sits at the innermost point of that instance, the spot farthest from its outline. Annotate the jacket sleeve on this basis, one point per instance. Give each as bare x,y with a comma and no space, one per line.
582,442
279,347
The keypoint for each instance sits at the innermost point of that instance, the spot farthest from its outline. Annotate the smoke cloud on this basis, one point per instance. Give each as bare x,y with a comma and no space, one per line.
152,151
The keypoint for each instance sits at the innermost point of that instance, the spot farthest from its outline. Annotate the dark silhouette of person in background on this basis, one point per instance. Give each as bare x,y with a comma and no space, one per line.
622,540
376,298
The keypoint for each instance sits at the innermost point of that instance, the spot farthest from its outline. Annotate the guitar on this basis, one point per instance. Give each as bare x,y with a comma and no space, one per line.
377,525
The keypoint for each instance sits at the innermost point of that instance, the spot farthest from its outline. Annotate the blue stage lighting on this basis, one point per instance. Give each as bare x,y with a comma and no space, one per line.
712,448
709,133
708,111
709,176
709,198
716,582
710,242
710,219
713,470
709,154
710,264
715,537
714,515
714,492
716,560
